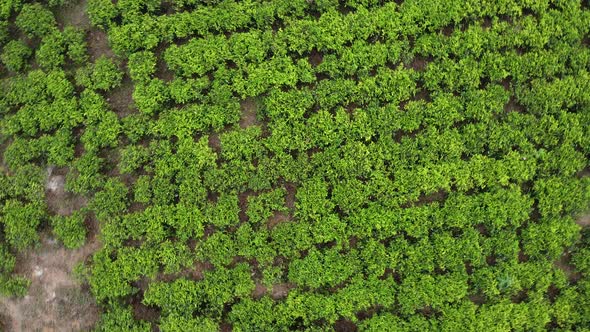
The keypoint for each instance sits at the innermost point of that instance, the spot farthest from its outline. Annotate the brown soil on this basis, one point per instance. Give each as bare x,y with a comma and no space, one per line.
448,30
199,268
584,220
564,264
73,14
248,107
280,291
144,312
583,173
98,45
345,325
58,200
225,327
315,58
120,99
56,300
513,106
291,192
243,204
438,196
215,142
477,299
259,291
277,218
419,63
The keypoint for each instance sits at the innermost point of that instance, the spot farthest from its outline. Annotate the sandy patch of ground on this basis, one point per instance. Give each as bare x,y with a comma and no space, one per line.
259,291
277,218
56,300
315,58
215,142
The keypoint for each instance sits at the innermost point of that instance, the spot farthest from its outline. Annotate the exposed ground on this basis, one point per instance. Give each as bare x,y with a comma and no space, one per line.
56,300
58,200
584,220
248,118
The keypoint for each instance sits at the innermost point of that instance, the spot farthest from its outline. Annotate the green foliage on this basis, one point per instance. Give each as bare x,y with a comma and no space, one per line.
225,212
110,201
10,285
327,269
70,230
119,318
177,323
20,222
150,96
57,45
305,165
142,65
75,40
104,75
4,34
101,12
261,207
174,256
35,20
50,54
85,175
15,55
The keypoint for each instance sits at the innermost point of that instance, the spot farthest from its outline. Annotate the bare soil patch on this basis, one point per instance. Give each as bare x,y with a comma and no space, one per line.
290,198
584,220
280,291
259,291
73,14
477,299
315,58
419,63
58,200
56,300
565,265
513,106
98,45
215,142
248,107
345,325
120,99
277,218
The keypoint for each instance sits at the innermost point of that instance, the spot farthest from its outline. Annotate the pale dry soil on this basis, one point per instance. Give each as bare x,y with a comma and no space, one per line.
56,300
